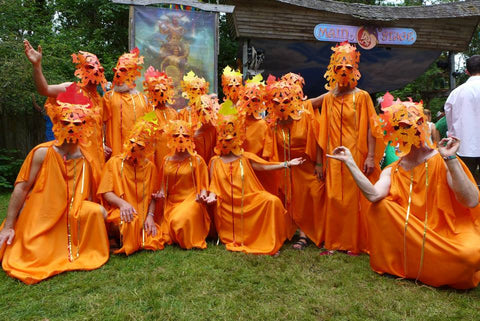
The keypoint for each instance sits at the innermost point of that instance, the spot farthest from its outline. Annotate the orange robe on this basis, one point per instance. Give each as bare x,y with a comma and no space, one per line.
134,184
164,116
302,192
451,252
205,139
256,131
122,111
248,218
345,121
185,114
185,221
56,217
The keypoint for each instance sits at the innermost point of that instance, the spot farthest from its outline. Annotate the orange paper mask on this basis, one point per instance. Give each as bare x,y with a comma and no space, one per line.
231,84
251,100
204,111
284,101
140,142
88,69
128,68
180,137
72,117
343,68
230,130
158,87
404,124
193,87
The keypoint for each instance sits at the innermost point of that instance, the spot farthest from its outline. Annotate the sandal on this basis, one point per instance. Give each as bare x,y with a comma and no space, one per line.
301,243
327,252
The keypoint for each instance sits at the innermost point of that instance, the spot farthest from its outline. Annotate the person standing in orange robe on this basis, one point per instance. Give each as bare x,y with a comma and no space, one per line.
51,226
423,223
91,74
124,104
184,188
128,182
251,104
159,90
346,119
247,218
293,131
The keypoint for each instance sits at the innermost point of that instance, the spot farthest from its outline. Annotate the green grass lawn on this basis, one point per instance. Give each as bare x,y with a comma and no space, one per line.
214,284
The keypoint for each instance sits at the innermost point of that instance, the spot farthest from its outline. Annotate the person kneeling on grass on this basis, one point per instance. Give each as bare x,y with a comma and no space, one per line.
248,218
128,181
51,226
423,223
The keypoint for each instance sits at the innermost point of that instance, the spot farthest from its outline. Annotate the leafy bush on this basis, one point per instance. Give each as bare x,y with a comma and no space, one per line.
10,164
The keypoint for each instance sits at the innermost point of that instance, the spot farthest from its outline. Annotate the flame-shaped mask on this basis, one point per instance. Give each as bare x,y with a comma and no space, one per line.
158,87
72,117
251,100
89,69
343,68
180,137
128,68
140,142
193,87
205,111
284,101
404,124
231,84
230,128
295,79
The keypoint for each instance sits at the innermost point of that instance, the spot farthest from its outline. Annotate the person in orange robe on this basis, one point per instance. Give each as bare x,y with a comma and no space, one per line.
423,223
51,226
184,188
159,90
232,84
128,182
124,104
346,119
293,131
251,104
203,115
247,218
91,74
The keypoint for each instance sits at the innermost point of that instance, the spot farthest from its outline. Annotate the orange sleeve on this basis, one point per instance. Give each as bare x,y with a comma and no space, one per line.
201,174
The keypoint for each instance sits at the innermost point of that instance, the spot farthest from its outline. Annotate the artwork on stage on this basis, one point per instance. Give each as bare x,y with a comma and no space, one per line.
177,41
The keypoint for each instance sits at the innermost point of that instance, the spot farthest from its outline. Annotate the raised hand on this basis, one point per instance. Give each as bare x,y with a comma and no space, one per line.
34,56
448,146
342,154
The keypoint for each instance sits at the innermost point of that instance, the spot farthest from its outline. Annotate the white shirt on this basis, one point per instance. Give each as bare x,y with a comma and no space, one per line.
462,110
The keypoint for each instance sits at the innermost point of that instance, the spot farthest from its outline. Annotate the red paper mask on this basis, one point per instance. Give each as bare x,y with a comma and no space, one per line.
88,69
158,87
343,68
128,68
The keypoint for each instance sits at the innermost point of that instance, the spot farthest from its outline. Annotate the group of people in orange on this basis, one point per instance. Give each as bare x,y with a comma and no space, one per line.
127,172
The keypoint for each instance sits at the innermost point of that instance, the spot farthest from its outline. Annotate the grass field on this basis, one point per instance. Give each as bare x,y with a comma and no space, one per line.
214,284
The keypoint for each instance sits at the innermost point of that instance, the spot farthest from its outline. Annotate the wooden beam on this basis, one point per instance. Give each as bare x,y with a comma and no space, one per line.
191,3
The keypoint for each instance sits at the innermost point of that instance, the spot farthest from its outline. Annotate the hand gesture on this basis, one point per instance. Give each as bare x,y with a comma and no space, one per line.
448,146
107,152
211,199
319,172
158,195
342,154
34,56
150,226
6,235
296,161
126,212
201,198
368,165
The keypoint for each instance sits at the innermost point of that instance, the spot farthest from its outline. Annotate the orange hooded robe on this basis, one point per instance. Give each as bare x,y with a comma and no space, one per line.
122,111
185,221
57,229
345,120
451,254
134,184
302,191
247,218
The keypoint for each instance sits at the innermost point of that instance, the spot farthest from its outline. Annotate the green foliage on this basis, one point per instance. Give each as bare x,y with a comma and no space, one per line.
10,164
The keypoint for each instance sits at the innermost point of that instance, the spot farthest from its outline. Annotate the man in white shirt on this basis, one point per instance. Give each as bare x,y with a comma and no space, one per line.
462,110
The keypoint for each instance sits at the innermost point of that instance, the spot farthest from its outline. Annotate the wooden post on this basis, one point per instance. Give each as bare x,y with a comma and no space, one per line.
451,58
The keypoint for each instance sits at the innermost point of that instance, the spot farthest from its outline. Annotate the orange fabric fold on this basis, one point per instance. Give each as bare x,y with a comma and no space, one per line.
58,229
247,219
345,120
451,252
185,221
122,111
134,184
164,116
